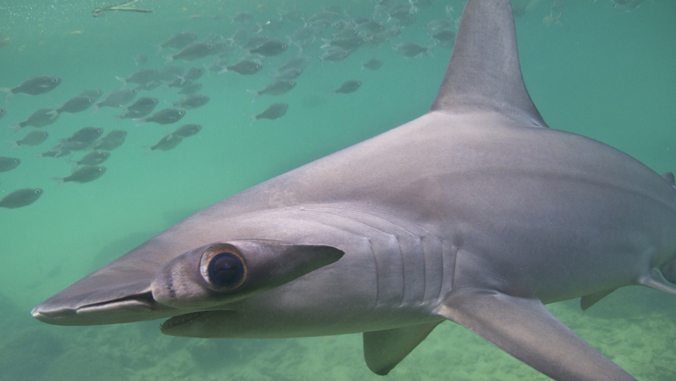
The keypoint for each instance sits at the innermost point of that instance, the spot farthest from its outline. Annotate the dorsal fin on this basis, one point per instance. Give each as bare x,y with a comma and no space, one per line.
484,71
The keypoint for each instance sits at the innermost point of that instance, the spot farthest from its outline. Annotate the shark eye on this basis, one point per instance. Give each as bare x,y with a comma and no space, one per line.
226,270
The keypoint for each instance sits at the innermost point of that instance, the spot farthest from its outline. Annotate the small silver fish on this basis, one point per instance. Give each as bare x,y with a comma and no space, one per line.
75,146
346,30
76,104
150,86
371,26
270,48
117,98
40,118
243,67
166,143
192,101
288,74
32,139
179,41
444,36
323,18
94,94
377,39
277,87
34,86
139,109
334,55
411,49
55,152
166,116
83,175
169,73
141,77
8,163
348,87
347,44
177,82
297,62
193,74
93,158
192,52
255,42
20,198
438,25
275,111
84,135
187,130
190,88
304,36
373,64
403,17
112,140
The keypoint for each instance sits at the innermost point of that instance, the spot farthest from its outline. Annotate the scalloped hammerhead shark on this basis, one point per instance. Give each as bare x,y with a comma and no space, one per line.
475,212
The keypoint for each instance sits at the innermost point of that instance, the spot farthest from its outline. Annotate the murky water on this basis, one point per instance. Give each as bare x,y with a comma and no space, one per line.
603,73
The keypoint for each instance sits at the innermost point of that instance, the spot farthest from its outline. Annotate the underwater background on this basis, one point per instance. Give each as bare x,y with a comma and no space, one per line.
592,68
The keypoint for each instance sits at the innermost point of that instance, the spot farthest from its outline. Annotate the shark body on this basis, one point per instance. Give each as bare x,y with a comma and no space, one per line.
476,212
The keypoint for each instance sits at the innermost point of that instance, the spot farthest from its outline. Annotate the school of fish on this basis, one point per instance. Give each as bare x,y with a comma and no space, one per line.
252,45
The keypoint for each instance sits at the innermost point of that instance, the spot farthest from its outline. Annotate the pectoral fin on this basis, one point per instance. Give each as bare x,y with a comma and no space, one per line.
383,350
526,330
656,279
591,299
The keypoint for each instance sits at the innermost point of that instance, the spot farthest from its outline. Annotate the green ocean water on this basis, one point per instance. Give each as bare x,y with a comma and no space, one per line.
605,74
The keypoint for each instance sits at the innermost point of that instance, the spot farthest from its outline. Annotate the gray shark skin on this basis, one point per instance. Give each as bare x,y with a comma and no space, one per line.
476,212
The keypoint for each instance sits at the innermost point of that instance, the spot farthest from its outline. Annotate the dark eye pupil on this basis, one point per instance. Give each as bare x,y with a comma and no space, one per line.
225,270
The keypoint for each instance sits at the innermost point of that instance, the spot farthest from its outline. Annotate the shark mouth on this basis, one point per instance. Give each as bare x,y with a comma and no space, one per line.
180,320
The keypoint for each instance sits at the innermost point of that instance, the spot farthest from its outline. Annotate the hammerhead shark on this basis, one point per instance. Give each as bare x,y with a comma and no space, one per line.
476,212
